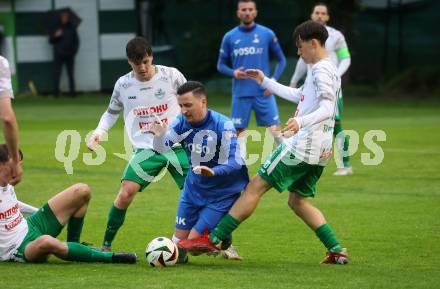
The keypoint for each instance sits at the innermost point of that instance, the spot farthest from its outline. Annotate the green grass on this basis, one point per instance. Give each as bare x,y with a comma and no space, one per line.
388,216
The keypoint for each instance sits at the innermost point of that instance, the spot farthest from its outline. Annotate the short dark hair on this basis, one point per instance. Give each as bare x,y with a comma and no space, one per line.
4,154
246,1
195,87
137,48
310,30
321,4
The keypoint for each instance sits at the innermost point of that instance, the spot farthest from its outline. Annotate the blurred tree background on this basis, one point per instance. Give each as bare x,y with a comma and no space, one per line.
391,41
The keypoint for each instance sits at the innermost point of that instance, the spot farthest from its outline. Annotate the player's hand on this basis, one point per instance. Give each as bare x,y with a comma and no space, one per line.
204,171
158,128
239,73
16,173
255,74
293,85
267,92
93,141
292,126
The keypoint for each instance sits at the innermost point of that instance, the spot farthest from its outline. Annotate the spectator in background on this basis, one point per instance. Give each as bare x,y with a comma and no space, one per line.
65,43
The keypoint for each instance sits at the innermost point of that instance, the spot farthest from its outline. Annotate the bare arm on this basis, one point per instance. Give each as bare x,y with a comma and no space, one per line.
10,132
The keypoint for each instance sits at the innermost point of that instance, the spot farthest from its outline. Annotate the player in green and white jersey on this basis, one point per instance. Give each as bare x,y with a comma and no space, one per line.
297,164
144,95
338,52
35,238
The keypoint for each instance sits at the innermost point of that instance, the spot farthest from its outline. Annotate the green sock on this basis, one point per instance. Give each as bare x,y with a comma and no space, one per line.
81,253
116,218
346,158
74,228
328,238
337,129
344,150
224,229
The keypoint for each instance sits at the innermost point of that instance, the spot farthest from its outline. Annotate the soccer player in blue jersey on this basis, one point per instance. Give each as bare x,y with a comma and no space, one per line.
218,174
250,45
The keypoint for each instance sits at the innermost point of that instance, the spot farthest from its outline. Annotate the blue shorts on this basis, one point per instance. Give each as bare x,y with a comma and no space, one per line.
198,213
265,108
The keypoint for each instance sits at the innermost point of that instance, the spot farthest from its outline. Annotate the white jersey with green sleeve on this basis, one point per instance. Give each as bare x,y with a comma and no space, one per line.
5,79
337,50
315,111
146,102
336,46
313,142
13,227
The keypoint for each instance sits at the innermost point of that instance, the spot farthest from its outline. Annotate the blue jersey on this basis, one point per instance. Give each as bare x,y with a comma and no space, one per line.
212,143
249,48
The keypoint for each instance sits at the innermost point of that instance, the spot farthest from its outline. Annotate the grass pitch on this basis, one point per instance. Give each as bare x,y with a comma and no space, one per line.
388,216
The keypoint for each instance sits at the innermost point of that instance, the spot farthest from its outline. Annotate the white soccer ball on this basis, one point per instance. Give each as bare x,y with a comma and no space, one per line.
161,252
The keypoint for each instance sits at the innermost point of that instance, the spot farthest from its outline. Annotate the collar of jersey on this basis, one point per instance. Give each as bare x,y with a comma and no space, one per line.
147,81
246,29
205,120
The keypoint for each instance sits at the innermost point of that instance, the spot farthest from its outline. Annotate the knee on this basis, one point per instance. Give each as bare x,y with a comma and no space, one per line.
126,195
295,203
83,192
46,243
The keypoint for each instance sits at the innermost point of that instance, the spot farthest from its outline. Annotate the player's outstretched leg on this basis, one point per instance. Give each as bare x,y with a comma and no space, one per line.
313,217
183,254
39,249
116,215
67,207
241,210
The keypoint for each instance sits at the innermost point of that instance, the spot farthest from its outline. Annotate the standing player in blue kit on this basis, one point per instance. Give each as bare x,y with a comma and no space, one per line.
249,46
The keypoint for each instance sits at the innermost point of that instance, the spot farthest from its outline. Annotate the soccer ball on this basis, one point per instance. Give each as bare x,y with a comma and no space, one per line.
161,252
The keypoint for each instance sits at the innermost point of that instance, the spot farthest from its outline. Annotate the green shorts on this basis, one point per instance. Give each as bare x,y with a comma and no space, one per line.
282,171
42,222
146,164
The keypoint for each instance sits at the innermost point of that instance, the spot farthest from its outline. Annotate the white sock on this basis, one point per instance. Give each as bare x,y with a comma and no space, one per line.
175,239
339,150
